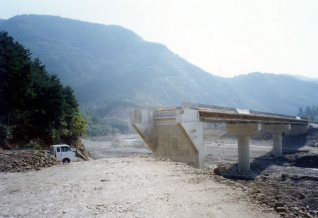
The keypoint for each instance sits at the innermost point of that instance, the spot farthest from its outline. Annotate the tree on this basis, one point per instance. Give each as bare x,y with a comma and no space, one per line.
77,127
308,111
311,113
300,111
16,86
34,104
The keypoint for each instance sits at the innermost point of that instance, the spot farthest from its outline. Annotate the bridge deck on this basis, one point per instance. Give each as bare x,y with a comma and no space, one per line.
216,114
219,115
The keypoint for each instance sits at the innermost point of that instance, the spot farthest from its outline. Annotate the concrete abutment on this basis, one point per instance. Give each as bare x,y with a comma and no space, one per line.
173,134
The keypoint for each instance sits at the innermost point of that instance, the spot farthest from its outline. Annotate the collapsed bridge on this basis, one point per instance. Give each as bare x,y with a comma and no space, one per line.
177,133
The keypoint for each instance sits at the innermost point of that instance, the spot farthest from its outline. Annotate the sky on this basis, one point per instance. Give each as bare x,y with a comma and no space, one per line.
223,37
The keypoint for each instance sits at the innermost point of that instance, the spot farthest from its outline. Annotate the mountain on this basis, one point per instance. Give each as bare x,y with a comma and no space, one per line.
104,63
281,93
304,78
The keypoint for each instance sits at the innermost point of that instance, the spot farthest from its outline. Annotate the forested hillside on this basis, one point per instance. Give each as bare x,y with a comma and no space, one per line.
278,93
107,63
310,112
36,110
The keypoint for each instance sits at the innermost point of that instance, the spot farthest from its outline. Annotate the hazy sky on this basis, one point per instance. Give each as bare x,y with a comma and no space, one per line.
223,37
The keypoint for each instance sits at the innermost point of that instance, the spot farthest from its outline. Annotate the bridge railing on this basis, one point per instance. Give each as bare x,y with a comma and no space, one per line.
229,113
274,114
164,113
213,116
197,105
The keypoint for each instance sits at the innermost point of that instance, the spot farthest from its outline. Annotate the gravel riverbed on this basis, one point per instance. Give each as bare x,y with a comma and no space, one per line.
124,180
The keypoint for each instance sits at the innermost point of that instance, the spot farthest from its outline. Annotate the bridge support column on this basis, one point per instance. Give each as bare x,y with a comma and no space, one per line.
277,130
242,131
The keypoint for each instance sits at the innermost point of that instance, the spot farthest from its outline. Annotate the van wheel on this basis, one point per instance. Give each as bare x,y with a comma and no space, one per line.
65,161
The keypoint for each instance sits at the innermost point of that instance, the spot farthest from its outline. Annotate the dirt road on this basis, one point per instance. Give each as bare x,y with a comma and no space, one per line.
138,186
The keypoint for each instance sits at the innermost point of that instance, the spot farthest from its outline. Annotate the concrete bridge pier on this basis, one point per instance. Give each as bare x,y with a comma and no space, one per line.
277,130
242,131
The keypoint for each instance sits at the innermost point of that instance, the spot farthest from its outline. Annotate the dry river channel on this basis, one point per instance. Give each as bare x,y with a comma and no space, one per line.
124,180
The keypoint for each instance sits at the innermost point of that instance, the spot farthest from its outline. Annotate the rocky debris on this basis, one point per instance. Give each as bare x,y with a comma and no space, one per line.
261,135
82,153
25,160
234,173
299,177
279,204
312,138
314,144
312,134
294,185
291,179
268,202
302,196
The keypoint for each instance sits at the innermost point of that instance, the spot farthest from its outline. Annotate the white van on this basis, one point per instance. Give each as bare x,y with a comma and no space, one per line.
63,153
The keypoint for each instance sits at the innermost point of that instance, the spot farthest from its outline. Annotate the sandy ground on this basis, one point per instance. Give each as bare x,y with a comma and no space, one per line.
116,146
124,180
124,186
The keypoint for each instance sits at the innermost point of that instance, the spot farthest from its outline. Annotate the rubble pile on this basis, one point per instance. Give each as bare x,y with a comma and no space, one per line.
312,137
286,185
277,204
82,153
25,160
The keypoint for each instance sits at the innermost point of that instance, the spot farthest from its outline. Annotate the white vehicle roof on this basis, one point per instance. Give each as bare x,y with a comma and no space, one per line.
60,145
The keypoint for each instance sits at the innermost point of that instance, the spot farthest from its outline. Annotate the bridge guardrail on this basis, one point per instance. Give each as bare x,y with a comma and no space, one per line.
164,113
